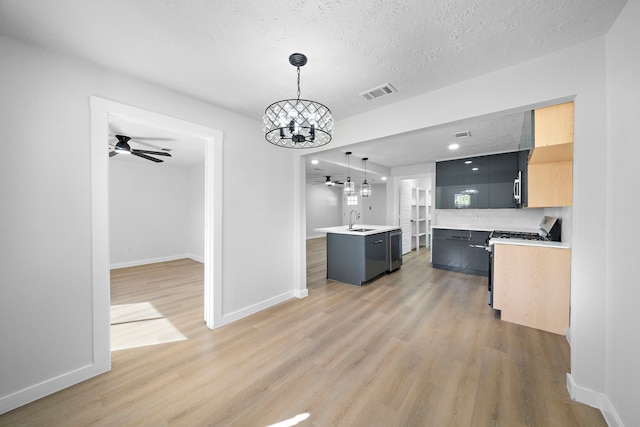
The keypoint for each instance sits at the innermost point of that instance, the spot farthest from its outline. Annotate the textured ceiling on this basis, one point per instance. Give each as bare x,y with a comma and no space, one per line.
235,53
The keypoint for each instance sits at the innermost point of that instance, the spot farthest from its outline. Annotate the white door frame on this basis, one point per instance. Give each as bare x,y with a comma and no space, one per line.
101,111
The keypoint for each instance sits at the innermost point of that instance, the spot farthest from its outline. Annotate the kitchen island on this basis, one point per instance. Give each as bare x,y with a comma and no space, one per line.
360,254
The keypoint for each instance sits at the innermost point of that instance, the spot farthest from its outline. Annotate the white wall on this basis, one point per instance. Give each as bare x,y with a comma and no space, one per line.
575,73
45,188
195,217
374,207
151,211
324,208
622,284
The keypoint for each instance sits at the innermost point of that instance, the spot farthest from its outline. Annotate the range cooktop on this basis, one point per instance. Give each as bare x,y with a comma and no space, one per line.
498,234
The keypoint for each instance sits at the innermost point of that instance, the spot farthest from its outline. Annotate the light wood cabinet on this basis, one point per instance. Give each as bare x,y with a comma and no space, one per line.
553,125
531,286
550,166
550,184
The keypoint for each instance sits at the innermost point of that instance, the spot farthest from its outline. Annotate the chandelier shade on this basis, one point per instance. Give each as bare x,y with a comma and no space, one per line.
297,123
365,187
349,186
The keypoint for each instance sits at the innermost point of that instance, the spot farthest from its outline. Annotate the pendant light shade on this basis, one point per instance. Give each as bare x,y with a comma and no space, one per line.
297,123
365,187
349,187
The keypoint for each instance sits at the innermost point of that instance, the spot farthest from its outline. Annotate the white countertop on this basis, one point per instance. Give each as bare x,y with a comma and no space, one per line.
482,228
523,242
463,227
343,229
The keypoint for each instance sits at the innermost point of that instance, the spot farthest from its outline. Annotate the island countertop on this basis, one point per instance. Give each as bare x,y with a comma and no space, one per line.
370,229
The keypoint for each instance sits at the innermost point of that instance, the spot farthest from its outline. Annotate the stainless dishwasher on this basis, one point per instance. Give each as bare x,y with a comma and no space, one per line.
395,250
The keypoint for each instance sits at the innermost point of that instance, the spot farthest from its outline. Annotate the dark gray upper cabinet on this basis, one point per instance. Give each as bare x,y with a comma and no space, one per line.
504,169
477,182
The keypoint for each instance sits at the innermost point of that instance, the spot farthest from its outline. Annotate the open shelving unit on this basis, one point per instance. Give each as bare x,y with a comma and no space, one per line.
420,218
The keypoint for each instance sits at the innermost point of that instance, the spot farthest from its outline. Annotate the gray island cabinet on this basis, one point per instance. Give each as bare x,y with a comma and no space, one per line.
357,257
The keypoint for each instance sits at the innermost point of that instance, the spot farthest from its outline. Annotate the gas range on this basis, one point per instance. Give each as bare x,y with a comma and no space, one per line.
498,234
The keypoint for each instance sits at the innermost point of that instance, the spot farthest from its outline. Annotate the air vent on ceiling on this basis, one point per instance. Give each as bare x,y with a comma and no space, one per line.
463,134
377,92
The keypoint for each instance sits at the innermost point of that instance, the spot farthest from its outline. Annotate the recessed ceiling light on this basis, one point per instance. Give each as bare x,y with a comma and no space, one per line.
384,178
454,146
314,162
474,169
468,162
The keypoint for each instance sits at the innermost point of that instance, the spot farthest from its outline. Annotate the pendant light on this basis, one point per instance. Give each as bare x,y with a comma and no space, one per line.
297,123
365,187
349,187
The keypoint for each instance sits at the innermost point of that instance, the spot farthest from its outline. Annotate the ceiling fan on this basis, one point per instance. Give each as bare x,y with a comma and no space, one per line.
328,182
123,147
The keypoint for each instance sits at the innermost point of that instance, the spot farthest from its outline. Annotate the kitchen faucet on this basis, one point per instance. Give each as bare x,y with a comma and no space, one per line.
357,218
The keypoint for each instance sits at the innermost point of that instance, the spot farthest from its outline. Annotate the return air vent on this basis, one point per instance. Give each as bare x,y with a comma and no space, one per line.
377,92
463,134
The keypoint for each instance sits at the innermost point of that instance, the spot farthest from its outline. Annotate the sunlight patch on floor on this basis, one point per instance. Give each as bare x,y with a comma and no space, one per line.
139,325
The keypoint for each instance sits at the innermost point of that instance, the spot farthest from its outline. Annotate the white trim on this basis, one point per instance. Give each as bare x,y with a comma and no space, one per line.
301,293
316,236
300,228
196,258
101,112
597,400
263,305
138,262
40,390
610,414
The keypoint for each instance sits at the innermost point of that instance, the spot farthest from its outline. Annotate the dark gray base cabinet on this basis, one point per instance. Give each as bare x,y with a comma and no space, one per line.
458,250
357,259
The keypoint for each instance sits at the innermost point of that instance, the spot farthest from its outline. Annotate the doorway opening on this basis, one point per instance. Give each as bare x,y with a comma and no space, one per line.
102,113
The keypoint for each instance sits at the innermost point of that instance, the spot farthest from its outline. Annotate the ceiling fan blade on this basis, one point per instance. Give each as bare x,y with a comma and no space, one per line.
155,153
144,156
112,153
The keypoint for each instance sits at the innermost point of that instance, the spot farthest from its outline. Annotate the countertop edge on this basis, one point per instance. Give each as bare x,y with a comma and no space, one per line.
342,229
523,242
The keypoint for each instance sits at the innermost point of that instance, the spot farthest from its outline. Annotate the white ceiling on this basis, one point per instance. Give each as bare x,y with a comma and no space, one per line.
235,53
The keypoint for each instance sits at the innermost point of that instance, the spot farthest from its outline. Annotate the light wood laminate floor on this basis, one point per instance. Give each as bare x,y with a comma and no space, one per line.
419,347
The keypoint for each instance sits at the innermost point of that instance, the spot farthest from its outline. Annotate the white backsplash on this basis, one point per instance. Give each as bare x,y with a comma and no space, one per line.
498,219
503,219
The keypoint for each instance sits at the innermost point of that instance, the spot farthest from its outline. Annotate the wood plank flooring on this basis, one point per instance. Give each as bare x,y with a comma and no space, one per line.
419,347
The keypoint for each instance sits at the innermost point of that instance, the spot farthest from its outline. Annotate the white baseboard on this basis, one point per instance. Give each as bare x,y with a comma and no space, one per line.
252,309
596,399
150,261
196,258
316,236
610,414
52,385
301,294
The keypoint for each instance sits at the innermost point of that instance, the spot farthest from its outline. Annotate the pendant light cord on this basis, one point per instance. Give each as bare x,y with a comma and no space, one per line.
298,84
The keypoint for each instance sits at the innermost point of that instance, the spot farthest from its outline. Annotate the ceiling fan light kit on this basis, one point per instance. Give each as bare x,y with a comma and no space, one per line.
123,147
298,123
